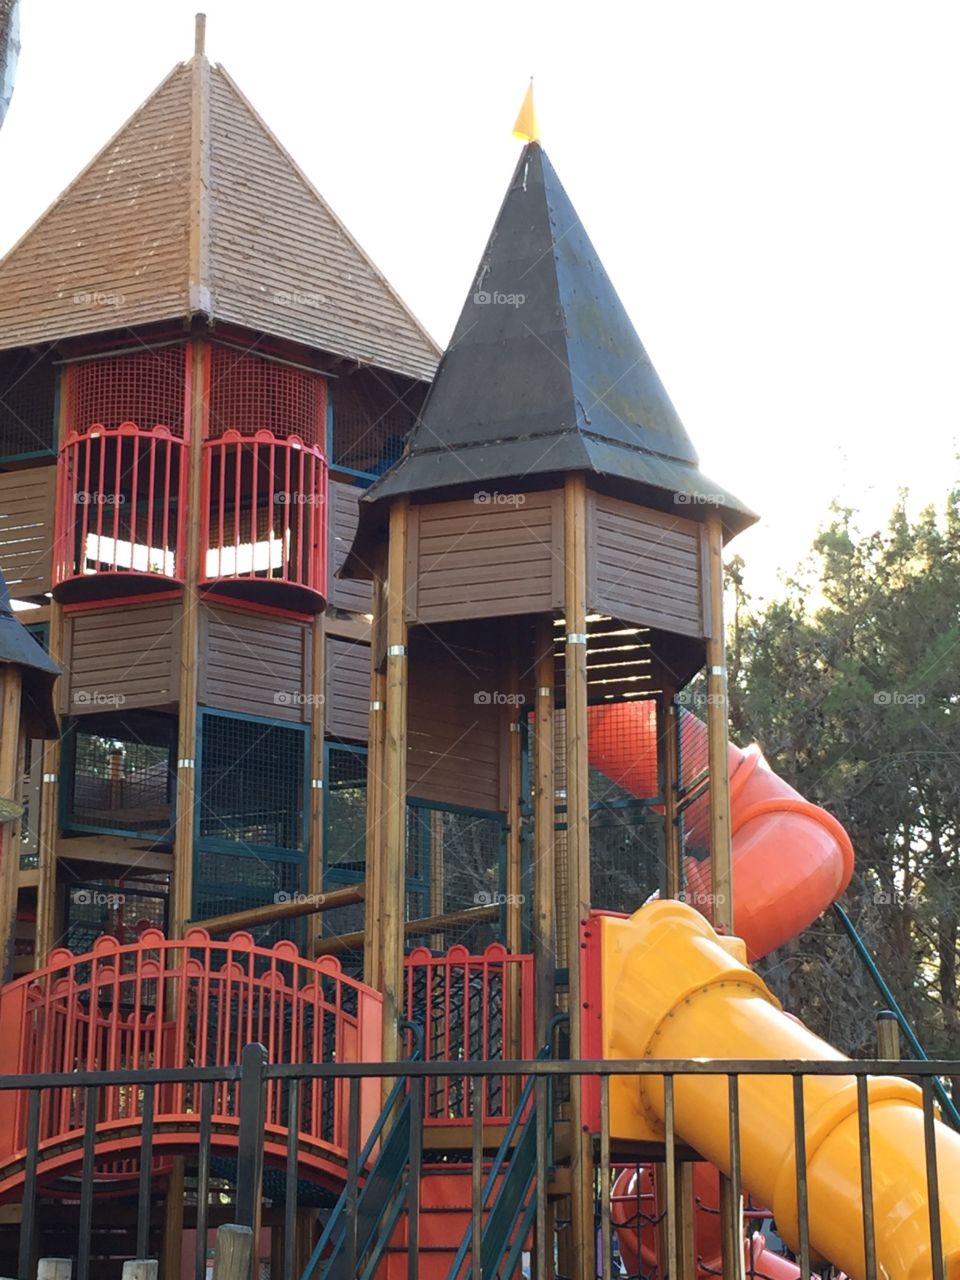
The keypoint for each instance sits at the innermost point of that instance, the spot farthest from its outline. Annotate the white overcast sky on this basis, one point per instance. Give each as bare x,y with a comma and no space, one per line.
773,188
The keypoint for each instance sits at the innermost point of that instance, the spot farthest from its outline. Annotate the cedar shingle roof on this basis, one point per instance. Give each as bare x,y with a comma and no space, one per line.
194,207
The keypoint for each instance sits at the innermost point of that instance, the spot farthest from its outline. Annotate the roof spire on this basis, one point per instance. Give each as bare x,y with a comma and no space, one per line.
200,31
525,126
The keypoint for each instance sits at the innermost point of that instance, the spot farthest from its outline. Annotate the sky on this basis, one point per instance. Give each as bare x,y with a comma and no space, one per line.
773,188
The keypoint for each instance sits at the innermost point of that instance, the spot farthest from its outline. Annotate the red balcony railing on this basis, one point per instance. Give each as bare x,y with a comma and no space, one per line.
265,480
264,518
191,1003
120,509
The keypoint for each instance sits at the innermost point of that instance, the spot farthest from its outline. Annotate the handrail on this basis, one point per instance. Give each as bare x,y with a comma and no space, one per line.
500,1159
388,1111
873,970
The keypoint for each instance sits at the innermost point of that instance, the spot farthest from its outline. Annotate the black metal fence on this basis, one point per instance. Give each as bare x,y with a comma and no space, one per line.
528,1150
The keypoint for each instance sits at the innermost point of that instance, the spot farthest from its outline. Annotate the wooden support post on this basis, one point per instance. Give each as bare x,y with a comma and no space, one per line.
393,879
54,1269
686,1223
513,878
372,944
172,1244
234,1253
315,851
11,767
717,720
721,855
141,1269
48,831
544,829
181,898
672,844
888,1036
578,840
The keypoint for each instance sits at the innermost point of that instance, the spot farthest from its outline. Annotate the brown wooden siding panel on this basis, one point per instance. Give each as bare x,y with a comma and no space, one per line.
26,530
486,559
347,688
645,567
344,593
121,658
255,663
454,748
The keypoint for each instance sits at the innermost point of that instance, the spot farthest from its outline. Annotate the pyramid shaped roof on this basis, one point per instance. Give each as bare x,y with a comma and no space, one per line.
545,372
194,208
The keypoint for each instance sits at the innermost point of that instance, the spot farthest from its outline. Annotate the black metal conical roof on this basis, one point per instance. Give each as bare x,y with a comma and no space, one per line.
19,648
545,373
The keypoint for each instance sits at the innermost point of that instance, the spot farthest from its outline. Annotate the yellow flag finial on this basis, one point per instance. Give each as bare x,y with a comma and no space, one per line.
525,127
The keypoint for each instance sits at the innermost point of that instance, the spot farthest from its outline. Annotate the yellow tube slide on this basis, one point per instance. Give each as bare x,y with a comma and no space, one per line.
672,988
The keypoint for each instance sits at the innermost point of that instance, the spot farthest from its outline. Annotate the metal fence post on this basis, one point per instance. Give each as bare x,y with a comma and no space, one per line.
253,1106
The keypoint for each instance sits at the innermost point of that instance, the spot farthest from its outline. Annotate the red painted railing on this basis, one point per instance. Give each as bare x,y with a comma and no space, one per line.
189,1003
464,1003
119,504
264,516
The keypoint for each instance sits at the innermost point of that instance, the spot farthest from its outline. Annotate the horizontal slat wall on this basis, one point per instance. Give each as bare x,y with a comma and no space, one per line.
454,753
645,567
26,530
344,593
121,658
490,558
347,688
255,663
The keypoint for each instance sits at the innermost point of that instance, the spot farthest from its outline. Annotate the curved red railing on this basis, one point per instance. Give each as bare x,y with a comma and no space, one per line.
120,505
183,1003
264,516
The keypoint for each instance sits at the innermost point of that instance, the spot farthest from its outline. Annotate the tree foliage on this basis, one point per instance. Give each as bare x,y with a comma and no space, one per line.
850,683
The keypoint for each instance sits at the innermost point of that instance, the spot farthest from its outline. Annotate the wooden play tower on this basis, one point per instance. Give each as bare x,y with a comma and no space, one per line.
371,731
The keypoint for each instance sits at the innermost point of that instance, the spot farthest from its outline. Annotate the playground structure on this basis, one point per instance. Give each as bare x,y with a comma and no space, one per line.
372,737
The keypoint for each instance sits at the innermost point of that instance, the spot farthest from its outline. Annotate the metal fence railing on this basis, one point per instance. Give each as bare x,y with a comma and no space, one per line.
262,1169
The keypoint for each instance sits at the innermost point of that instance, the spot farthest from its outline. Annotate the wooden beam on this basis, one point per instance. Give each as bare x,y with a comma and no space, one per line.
306,905
181,897
355,628
318,666
721,865
544,829
578,838
450,920
673,851
393,857
49,825
11,767
372,966
115,851
172,1241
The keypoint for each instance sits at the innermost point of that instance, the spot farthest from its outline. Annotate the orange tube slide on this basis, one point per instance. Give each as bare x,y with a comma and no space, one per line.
672,988
791,859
